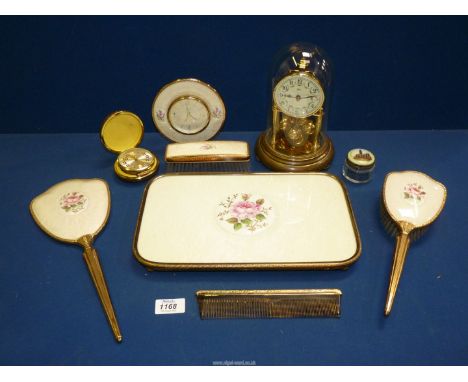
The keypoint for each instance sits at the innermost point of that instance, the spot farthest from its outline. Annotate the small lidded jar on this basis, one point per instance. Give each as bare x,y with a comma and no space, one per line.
359,165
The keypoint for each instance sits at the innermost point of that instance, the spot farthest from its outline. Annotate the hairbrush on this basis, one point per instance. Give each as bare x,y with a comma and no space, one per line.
269,303
411,201
209,156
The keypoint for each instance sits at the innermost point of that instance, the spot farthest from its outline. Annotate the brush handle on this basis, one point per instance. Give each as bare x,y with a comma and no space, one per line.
94,266
401,249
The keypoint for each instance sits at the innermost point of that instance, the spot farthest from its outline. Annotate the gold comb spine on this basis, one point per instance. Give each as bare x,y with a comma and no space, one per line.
269,303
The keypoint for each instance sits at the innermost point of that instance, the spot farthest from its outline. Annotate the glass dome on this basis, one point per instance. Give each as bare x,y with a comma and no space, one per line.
295,138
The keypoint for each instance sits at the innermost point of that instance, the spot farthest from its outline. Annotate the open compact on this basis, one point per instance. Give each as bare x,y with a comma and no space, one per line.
121,133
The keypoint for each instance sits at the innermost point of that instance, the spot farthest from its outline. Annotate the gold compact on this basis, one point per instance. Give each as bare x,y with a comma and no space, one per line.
121,133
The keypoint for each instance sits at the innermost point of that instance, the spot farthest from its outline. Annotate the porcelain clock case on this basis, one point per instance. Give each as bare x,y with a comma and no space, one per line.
188,110
298,95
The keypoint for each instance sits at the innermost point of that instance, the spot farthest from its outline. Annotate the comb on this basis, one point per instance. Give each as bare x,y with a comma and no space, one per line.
292,303
208,156
410,202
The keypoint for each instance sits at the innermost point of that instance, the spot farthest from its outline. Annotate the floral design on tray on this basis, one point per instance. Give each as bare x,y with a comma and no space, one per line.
73,202
414,192
245,213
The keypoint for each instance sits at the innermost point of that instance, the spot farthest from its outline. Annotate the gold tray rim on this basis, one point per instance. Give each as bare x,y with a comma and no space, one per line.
152,265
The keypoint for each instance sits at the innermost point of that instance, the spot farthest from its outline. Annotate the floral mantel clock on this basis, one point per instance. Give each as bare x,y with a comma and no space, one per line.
295,139
188,110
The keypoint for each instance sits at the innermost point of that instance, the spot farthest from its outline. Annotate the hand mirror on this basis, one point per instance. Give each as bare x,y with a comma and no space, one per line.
75,211
411,202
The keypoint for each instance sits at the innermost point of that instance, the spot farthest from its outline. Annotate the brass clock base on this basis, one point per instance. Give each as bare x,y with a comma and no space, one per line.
276,161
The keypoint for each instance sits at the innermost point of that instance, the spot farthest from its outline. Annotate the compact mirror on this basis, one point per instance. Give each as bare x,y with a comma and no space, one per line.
121,133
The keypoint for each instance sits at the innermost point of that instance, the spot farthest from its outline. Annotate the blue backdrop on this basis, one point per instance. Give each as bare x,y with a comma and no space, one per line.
65,74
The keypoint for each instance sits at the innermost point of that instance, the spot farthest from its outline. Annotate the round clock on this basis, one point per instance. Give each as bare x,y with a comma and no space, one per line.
298,95
121,132
188,110
188,115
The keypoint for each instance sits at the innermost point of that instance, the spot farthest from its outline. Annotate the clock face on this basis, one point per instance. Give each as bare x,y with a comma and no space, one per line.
136,160
298,95
188,115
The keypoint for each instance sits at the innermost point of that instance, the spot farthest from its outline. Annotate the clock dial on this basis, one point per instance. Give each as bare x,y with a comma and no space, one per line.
298,95
188,115
136,160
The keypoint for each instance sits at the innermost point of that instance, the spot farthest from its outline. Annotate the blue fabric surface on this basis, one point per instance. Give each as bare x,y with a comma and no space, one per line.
50,312
64,74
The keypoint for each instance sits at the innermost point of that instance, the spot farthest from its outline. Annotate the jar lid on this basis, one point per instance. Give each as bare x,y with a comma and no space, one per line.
360,158
122,130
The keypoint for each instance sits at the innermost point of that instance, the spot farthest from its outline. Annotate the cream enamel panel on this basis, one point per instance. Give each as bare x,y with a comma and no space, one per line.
413,197
311,221
70,223
229,148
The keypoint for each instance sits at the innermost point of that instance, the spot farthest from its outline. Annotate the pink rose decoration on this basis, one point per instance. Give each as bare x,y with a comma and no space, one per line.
414,191
73,198
244,209
73,202
244,215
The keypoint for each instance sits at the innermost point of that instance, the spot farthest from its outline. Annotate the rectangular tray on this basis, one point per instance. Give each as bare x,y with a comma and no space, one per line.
246,222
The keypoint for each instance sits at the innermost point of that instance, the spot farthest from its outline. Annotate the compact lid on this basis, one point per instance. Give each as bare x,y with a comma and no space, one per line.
361,158
121,130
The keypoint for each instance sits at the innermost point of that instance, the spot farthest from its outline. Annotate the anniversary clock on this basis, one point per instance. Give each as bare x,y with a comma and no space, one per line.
295,139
